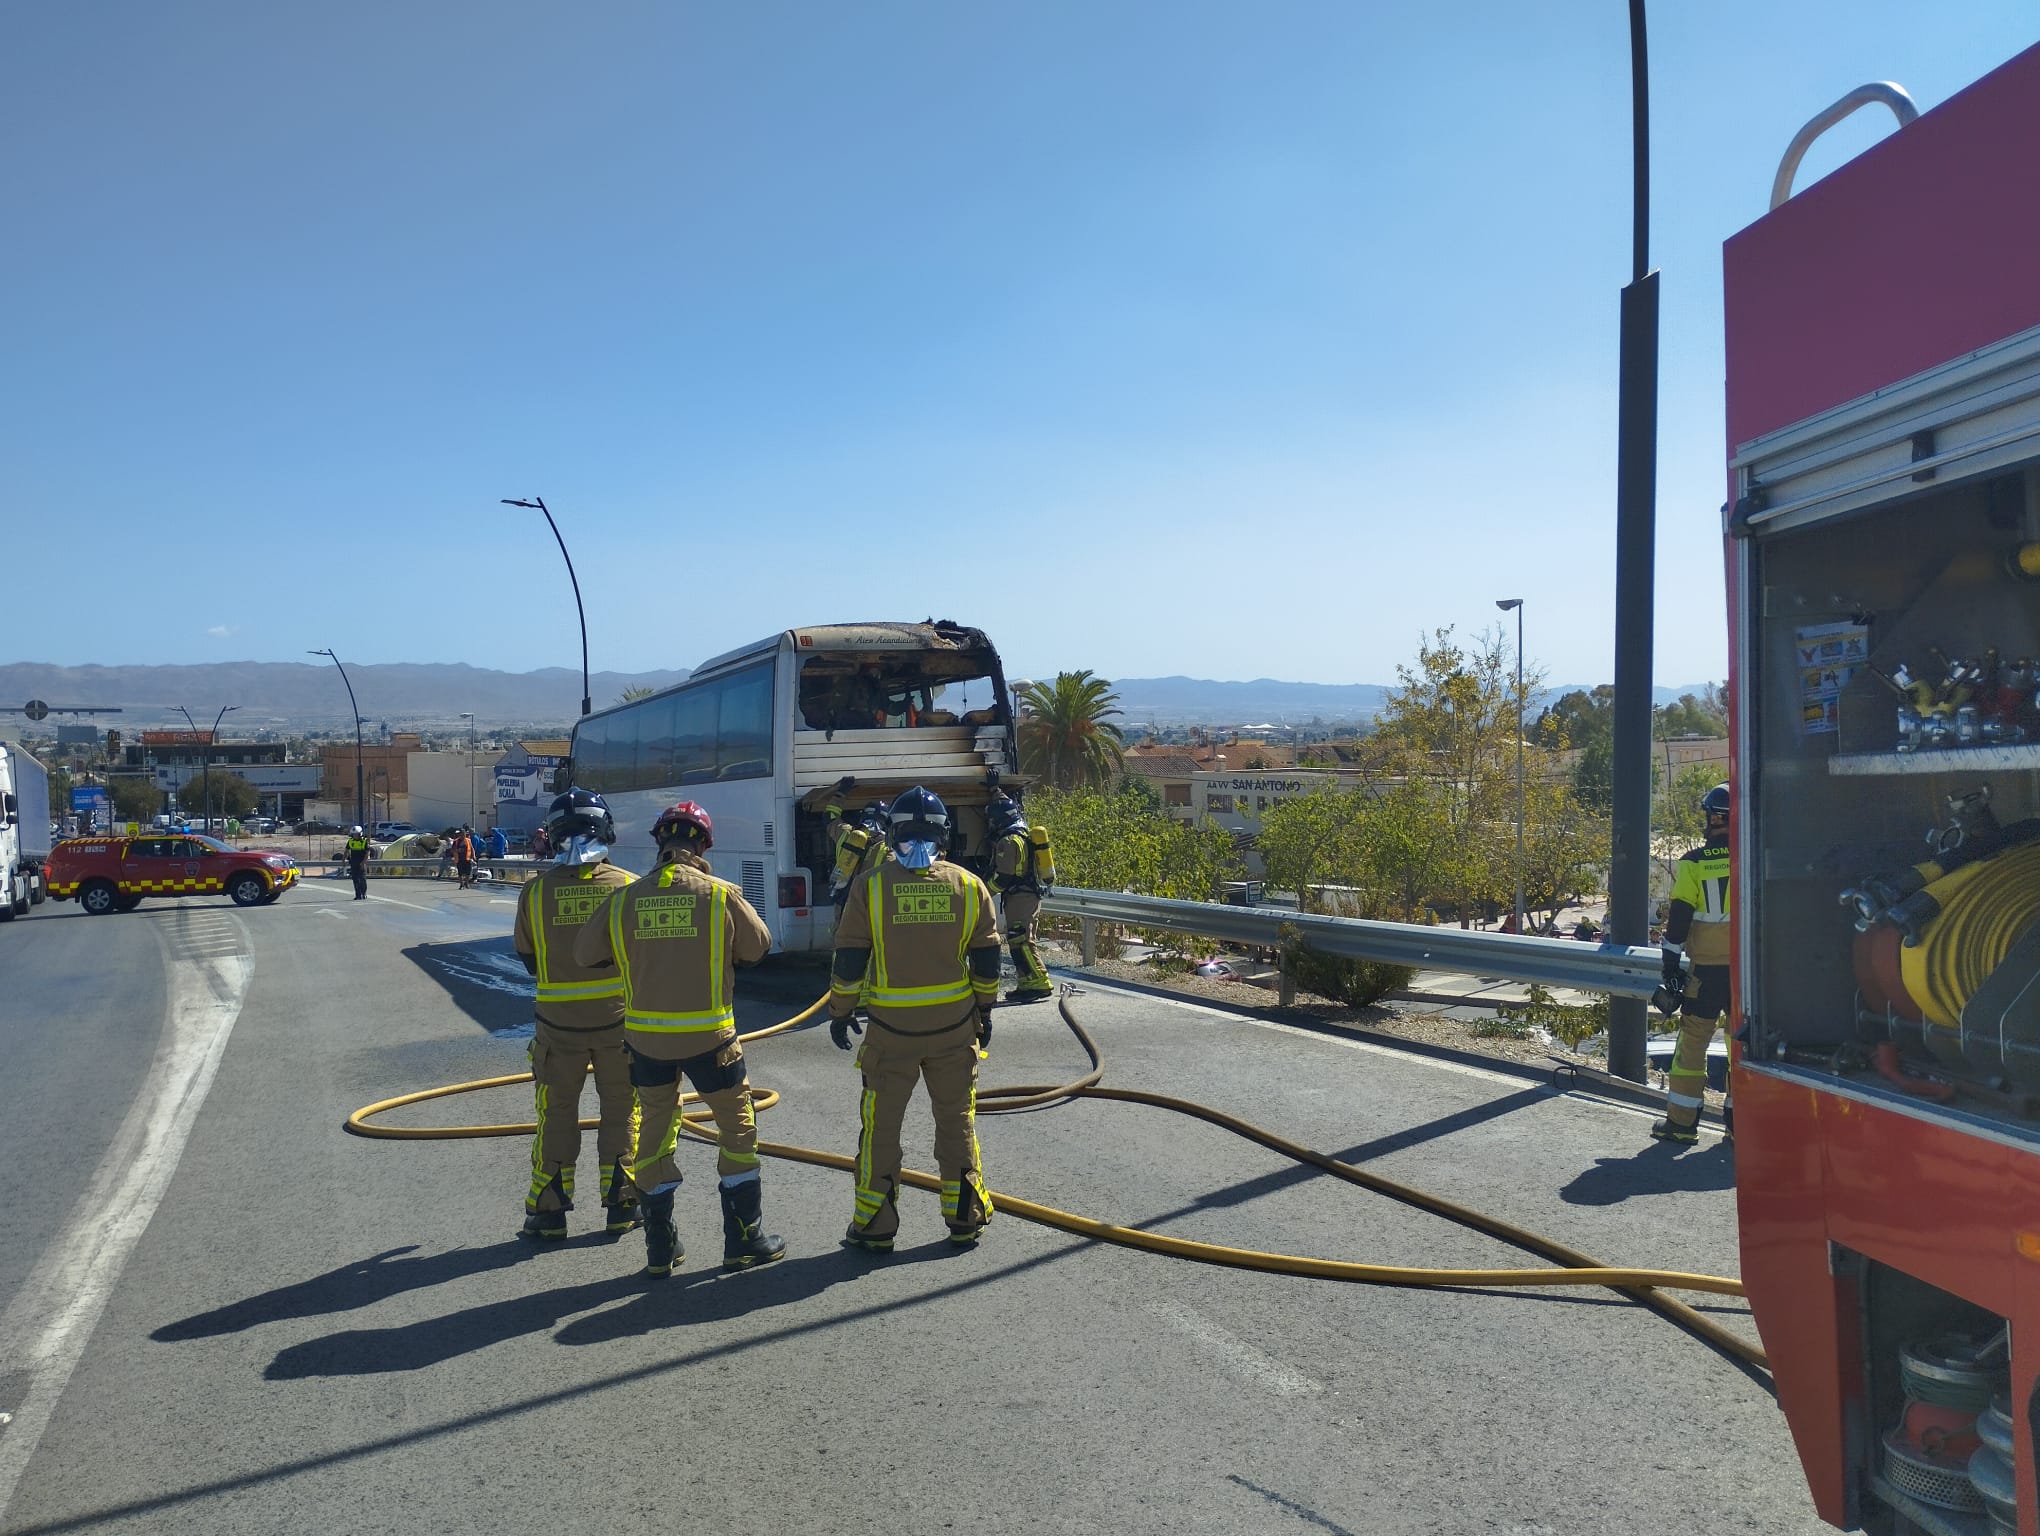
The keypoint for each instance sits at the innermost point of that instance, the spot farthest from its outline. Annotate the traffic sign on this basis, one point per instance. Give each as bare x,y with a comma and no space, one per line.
35,709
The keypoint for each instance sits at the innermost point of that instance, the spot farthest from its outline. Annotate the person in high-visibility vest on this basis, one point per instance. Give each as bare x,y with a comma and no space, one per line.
675,938
917,945
357,861
1017,873
579,1023
1696,930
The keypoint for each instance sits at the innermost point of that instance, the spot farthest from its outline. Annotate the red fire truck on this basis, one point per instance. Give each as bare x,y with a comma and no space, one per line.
1883,546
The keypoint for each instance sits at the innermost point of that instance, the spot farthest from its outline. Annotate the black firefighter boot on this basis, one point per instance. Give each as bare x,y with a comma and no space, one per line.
622,1207
549,1226
745,1241
662,1238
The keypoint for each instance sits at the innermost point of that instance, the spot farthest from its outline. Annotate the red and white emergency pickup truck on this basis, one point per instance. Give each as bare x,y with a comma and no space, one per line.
114,874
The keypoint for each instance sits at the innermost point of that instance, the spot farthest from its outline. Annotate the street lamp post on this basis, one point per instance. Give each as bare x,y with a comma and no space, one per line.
1505,604
1635,573
469,716
539,502
205,758
360,776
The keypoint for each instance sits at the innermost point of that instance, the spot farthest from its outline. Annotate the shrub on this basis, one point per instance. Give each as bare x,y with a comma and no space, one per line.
1568,1023
1356,983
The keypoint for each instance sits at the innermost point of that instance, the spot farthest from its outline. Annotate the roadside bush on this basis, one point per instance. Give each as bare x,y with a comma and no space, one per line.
1568,1023
1356,983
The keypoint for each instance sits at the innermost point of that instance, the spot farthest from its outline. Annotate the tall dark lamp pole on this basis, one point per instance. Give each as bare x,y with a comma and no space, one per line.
360,777
539,502
1505,604
1635,573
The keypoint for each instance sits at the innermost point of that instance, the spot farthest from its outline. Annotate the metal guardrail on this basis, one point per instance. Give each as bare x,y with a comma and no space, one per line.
510,871
1467,952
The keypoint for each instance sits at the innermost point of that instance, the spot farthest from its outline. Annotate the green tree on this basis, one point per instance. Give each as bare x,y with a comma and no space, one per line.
232,795
632,695
60,791
1676,821
134,799
1121,841
1451,722
1584,720
1067,739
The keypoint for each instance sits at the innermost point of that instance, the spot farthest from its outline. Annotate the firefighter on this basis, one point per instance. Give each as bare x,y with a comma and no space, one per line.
1016,871
860,850
1696,930
917,943
676,937
579,1022
357,861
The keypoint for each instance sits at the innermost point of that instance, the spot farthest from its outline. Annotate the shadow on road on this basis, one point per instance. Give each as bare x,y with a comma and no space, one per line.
651,1370
1381,1146
1658,1169
484,978
351,1286
707,1297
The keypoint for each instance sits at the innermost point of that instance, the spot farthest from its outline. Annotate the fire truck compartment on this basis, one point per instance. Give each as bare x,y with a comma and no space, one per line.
1890,666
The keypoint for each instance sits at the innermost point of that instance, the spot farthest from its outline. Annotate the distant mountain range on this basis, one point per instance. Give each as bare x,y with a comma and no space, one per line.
271,692
1267,701
275,694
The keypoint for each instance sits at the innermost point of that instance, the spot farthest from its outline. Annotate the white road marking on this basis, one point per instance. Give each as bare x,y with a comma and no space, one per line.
501,901
45,1329
1236,1353
329,912
392,901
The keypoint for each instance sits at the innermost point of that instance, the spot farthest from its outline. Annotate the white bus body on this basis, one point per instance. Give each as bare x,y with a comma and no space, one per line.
763,736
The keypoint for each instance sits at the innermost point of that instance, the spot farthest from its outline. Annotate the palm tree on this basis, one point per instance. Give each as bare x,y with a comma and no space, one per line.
1066,738
632,695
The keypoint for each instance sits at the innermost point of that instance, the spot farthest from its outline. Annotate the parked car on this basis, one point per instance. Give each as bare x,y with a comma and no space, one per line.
390,831
317,828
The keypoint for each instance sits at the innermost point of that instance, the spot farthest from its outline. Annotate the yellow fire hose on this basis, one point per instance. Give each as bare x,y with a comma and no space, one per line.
1985,908
1577,1268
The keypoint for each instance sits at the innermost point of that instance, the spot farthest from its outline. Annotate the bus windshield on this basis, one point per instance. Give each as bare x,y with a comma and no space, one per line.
865,690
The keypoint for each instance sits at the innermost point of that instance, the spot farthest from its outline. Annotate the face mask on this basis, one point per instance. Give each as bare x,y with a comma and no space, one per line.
917,855
582,850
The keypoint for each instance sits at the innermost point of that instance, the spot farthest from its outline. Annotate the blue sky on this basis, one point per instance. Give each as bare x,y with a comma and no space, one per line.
1224,339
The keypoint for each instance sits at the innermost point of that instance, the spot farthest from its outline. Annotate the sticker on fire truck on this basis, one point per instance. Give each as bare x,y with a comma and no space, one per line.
1826,656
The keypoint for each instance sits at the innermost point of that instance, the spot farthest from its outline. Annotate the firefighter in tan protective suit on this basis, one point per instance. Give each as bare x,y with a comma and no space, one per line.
1696,930
579,1022
860,850
1017,859
918,944
676,937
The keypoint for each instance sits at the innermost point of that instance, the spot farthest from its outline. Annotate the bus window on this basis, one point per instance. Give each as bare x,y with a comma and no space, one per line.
694,736
591,755
744,725
654,743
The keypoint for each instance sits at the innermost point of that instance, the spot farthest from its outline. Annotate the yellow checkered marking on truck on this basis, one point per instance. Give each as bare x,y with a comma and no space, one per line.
173,885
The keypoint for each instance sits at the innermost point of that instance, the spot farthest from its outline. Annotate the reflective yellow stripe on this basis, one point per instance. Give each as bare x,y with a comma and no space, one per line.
530,896
680,1023
577,991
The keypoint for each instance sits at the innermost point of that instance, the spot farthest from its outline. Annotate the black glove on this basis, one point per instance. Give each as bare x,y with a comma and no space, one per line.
840,1031
1669,997
984,1029
847,783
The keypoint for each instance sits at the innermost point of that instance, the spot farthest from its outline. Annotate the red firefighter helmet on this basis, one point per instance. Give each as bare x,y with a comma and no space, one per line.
683,820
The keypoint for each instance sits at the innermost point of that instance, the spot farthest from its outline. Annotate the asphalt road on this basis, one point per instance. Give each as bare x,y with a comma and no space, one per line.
223,1315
